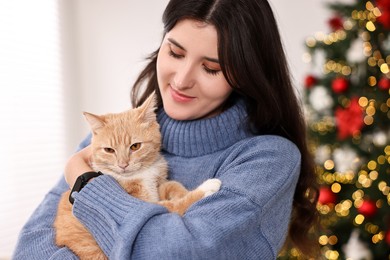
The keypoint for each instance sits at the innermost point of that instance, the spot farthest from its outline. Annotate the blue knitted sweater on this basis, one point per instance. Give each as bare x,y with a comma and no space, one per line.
247,219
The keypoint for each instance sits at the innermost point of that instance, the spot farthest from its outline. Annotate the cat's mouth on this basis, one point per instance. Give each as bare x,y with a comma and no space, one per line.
120,174
124,172
116,171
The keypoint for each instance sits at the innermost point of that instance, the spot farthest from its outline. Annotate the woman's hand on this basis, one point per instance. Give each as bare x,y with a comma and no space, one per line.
77,165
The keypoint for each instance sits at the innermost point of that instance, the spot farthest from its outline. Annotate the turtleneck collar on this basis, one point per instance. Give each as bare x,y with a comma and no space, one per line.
204,136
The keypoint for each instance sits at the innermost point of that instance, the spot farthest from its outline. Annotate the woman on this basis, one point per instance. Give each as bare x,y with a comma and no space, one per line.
228,111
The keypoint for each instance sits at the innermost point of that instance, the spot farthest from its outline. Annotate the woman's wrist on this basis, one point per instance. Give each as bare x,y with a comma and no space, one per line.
81,181
71,175
76,166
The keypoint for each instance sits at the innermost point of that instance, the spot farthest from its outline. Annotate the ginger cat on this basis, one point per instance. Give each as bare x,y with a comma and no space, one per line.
127,147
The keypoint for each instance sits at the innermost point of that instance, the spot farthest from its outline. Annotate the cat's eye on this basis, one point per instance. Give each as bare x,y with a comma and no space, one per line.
135,147
109,150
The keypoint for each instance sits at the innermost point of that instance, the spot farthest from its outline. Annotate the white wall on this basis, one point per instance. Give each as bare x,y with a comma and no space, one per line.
32,132
297,20
109,41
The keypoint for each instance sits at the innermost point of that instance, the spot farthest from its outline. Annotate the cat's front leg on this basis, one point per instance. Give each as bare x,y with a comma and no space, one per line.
171,190
209,187
181,205
140,189
72,234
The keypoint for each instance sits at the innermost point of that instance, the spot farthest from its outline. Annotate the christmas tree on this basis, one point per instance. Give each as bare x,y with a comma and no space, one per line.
348,112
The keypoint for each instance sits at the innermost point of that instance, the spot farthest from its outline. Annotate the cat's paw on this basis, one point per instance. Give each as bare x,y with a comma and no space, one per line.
210,187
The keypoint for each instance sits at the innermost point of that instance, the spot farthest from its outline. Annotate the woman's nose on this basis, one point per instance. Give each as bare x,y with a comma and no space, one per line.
184,77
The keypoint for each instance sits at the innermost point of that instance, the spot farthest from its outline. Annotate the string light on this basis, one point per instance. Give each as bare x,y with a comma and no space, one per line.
378,237
337,67
358,195
384,108
371,81
373,175
332,255
370,26
367,49
372,165
359,219
368,120
381,159
329,165
384,67
370,6
363,101
336,188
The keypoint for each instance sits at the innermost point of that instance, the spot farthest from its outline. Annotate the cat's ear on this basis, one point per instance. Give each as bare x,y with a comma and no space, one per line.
95,122
147,109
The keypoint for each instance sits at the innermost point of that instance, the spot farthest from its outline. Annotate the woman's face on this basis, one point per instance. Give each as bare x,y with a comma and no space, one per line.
189,76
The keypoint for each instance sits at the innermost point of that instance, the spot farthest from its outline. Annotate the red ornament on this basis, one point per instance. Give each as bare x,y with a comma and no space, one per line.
335,23
384,19
327,196
310,81
387,237
340,85
384,7
384,83
349,120
368,208
383,4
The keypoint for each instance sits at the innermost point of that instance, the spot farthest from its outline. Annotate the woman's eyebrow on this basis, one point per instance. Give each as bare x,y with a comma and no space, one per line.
174,42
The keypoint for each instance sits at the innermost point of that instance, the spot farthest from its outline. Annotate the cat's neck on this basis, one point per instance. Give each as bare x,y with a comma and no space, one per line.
156,171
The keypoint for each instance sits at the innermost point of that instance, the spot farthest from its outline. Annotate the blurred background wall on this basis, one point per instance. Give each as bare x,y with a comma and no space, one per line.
61,57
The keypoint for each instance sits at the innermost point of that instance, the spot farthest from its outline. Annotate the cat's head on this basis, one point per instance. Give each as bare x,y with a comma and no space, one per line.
124,143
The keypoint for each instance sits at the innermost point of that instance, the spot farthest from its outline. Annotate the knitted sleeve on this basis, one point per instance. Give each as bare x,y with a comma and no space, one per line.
247,219
36,239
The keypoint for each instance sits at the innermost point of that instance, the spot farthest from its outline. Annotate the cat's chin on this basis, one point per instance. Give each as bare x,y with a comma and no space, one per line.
126,174
120,175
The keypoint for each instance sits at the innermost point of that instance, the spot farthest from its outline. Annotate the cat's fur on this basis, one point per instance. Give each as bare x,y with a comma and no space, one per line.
127,147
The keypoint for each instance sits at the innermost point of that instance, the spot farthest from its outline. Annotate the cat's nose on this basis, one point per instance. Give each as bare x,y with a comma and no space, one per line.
123,165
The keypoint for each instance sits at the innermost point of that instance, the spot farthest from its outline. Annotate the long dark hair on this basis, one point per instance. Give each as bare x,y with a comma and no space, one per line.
252,60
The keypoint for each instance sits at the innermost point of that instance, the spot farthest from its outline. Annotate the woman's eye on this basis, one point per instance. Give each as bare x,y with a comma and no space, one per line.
211,71
135,147
109,150
175,55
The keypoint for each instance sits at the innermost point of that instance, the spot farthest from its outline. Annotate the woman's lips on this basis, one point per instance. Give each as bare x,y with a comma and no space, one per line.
179,97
